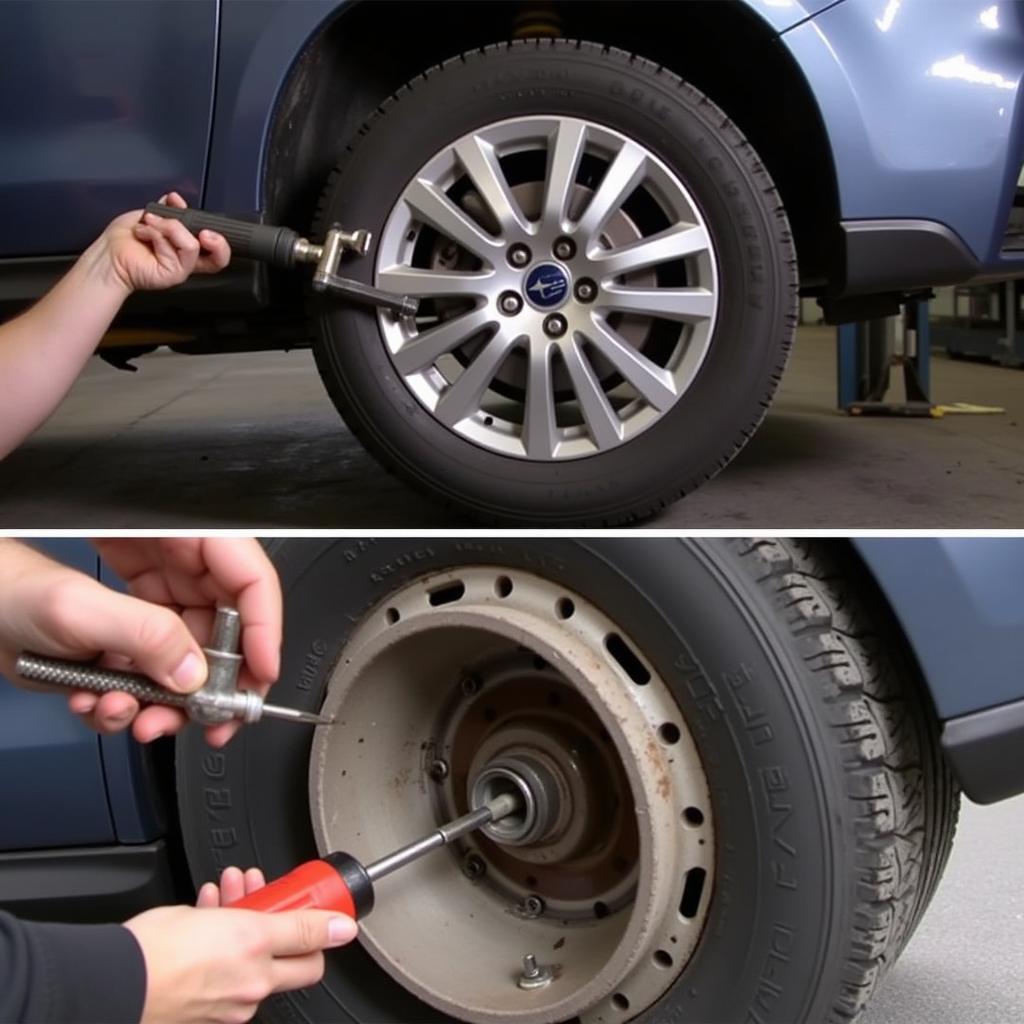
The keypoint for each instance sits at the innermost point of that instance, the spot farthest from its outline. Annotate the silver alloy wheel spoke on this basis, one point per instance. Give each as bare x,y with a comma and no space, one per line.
433,283
674,243
653,383
462,398
688,304
619,181
428,346
613,324
602,422
434,207
481,164
540,429
565,148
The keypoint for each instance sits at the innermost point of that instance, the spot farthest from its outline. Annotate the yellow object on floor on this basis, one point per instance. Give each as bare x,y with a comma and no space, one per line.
968,409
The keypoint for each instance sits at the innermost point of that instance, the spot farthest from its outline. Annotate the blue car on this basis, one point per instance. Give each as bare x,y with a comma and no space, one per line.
740,764
606,211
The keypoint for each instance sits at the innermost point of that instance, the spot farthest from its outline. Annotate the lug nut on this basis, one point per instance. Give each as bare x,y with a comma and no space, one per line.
555,325
564,248
438,770
519,255
474,867
586,290
510,303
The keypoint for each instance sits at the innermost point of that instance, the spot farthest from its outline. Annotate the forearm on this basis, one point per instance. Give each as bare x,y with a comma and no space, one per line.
53,972
43,350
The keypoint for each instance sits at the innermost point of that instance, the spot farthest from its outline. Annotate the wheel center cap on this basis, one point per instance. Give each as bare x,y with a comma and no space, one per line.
547,286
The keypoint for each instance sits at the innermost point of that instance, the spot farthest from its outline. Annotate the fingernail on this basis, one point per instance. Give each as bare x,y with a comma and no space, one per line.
341,930
188,675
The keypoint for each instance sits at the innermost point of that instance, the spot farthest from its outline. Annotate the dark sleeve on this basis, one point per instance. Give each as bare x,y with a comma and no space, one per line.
69,972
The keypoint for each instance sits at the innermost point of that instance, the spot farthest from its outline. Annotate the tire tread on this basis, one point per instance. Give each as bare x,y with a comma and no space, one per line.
902,797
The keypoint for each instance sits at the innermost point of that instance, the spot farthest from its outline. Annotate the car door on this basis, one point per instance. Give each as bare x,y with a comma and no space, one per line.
103,103
54,793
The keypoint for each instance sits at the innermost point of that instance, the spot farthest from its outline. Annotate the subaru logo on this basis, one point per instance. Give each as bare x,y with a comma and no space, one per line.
546,286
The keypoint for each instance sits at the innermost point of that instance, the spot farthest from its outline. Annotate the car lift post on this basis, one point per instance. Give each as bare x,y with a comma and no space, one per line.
866,355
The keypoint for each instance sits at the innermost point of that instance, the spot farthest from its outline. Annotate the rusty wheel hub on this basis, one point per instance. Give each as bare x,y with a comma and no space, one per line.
527,731
589,903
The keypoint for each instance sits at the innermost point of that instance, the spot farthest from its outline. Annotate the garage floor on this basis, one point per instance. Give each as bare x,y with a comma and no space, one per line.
963,964
252,441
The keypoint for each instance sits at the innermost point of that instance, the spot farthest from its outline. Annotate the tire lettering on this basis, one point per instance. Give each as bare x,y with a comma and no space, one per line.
359,547
390,568
311,664
775,783
696,681
755,721
780,953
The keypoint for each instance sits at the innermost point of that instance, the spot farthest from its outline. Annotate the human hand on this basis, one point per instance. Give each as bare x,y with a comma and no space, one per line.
174,587
234,884
149,252
216,965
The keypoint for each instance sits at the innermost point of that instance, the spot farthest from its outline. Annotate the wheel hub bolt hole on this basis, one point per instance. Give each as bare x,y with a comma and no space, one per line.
693,816
555,325
471,686
519,255
670,734
564,248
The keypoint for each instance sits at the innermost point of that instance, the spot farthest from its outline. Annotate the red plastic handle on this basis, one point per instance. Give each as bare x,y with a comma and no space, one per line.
314,885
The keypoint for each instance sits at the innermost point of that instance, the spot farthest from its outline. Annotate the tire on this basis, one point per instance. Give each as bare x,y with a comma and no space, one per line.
833,810
716,412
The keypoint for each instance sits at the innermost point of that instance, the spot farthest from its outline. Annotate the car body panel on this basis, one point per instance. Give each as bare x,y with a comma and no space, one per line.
260,43
54,791
923,103
74,788
103,106
960,601
921,99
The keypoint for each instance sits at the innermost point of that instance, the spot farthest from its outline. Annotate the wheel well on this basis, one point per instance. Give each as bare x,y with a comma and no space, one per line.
370,50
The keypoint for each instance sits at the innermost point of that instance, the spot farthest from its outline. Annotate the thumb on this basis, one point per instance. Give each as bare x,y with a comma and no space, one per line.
155,638
296,932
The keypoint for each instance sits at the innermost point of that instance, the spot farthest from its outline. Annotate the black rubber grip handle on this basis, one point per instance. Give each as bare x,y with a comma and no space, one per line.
253,241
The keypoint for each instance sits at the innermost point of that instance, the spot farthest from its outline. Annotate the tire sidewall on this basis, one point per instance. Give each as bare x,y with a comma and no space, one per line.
756,287
763,954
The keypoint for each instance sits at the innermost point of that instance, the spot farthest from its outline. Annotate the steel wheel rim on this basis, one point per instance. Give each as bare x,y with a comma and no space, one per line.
623,357
404,661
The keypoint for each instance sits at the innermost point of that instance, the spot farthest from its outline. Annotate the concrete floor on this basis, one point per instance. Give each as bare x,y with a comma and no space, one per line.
252,441
963,964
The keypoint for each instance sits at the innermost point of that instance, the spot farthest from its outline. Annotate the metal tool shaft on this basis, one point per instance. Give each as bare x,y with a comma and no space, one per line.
294,715
497,809
218,700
